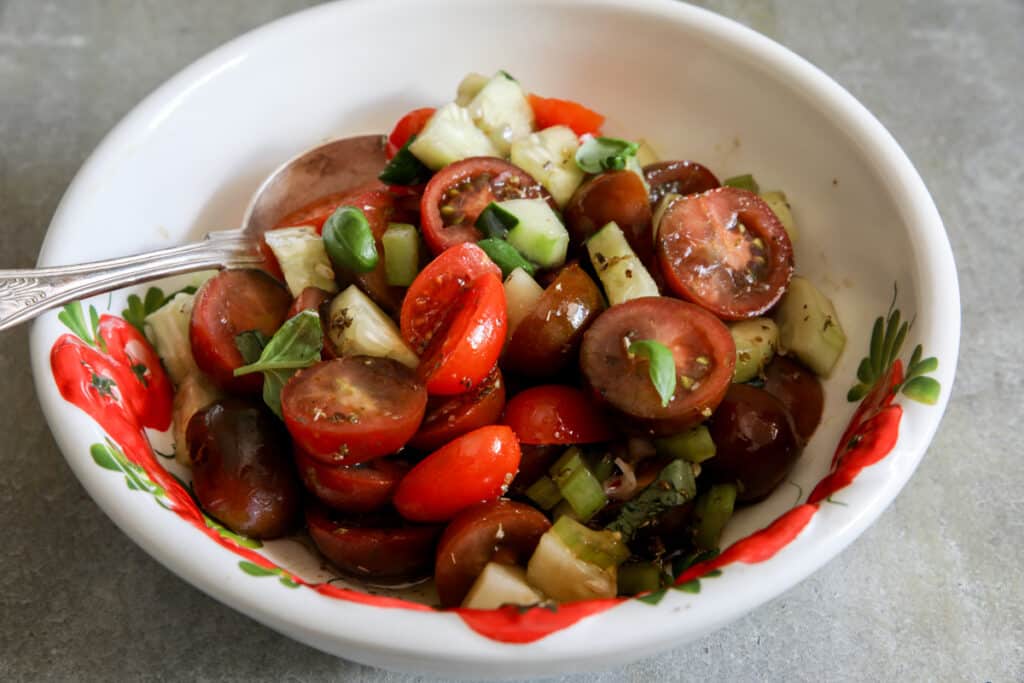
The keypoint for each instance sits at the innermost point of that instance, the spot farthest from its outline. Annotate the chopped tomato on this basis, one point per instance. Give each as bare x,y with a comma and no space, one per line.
556,414
449,417
407,126
475,468
351,488
549,111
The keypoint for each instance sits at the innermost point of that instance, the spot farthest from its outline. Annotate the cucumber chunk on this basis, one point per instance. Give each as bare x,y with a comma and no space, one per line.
303,259
501,584
550,157
356,326
401,244
449,136
469,87
756,341
561,575
623,275
776,199
167,327
693,445
809,327
521,294
539,236
502,111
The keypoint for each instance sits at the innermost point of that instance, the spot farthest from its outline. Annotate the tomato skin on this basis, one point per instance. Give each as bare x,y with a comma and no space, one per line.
232,302
449,417
437,287
352,409
464,352
309,299
618,196
705,259
377,547
556,414
480,181
550,111
407,126
502,531
145,386
622,382
319,211
678,177
799,390
351,488
476,467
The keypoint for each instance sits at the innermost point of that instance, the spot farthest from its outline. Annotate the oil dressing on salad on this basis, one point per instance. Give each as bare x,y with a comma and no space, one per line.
533,363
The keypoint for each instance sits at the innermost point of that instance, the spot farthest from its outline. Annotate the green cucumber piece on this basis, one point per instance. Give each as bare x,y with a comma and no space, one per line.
713,510
545,493
539,236
578,484
449,136
501,584
168,328
560,574
776,199
620,270
693,445
303,259
401,244
756,341
550,157
495,221
468,88
502,111
743,182
602,548
357,327
521,294
639,577
809,327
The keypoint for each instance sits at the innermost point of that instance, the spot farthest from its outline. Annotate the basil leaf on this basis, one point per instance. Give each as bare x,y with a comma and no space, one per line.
349,240
250,344
296,345
674,486
662,366
743,182
505,256
404,168
605,154
495,221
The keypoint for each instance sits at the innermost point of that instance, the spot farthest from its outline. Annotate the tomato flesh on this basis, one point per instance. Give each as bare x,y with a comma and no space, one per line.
501,531
233,302
556,414
458,193
702,348
725,250
476,467
407,126
351,488
352,409
449,417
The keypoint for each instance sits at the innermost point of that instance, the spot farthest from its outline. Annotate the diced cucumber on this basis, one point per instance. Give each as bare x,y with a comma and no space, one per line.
545,493
300,253
712,511
645,154
469,87
356,326
780,206
401,253
623,275
501,584
756,341
639,577
167,327
539,235
743,182
606,549
502,111
693,445
809,327
194,392
550,157
521,294
633,164
578,484
451,135
561,575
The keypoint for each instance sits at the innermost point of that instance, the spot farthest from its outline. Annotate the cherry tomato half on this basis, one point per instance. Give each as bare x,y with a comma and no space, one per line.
501,531
459,192
476,467
725,250
556,414
309,299
799,390
352,409
618,196
678,177
449,417
700,343
464,351
437,288
549,111
351,488
232,302
407,126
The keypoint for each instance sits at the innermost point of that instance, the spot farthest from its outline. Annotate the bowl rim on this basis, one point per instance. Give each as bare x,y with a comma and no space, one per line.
444,640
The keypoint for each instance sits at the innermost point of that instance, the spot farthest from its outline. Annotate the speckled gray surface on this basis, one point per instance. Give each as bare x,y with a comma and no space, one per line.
934,591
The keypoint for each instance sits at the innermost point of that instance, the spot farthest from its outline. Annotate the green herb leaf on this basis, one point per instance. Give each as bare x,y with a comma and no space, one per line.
253,569
743,182
923,390
674,486
505,256
250,344
296,345
605,154
404,168
662,366
349,241
495,222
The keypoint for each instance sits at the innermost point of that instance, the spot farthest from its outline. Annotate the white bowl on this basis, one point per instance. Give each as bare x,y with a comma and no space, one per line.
696,86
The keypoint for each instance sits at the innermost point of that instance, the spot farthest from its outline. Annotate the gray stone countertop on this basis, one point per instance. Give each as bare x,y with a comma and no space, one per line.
933,591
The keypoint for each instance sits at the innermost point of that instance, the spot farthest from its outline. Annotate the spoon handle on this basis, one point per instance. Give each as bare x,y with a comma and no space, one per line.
26,293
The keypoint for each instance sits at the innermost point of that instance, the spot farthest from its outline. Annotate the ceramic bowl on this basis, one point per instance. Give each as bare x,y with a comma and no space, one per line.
696,86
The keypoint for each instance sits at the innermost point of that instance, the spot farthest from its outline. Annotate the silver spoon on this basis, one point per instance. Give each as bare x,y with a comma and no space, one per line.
332,167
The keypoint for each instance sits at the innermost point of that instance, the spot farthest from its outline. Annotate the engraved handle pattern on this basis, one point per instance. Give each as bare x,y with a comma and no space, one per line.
26,293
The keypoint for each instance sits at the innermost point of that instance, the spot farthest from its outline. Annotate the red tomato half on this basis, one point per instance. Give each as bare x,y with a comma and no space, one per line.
725,250
407,126
449,417
437,288
144,384
459,192
549,111
678,177
351,488
475,468
465,350
352,409
556,414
